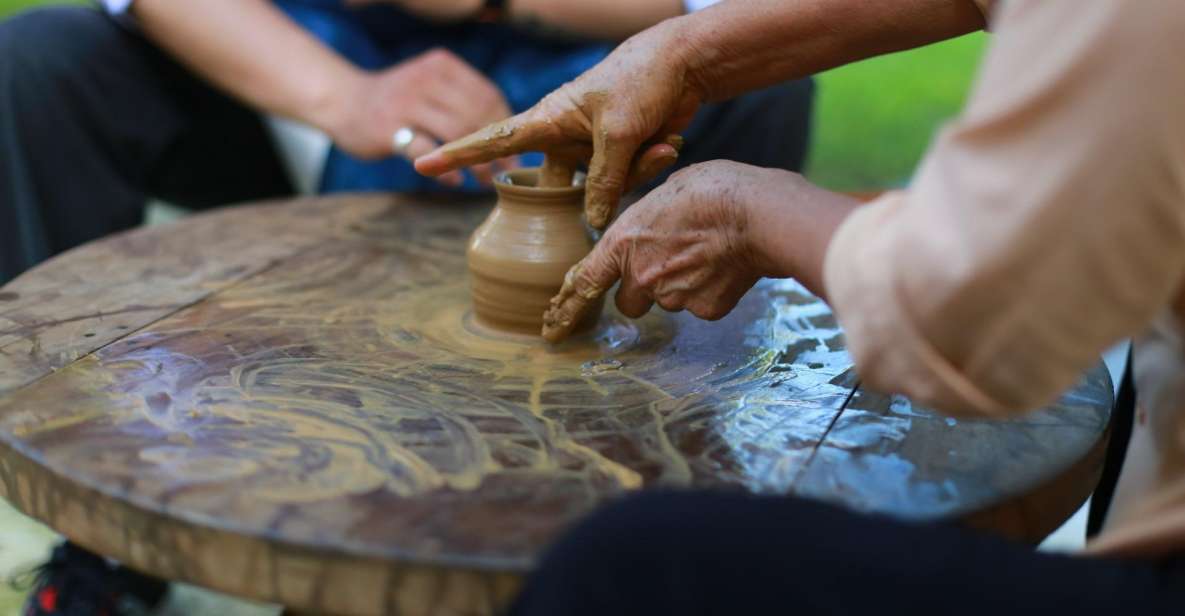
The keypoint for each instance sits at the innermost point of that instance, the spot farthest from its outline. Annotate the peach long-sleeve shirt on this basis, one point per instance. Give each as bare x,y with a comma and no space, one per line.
1044,225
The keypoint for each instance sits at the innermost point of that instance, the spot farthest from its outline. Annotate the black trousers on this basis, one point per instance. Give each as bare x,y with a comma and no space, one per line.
703,554
94,120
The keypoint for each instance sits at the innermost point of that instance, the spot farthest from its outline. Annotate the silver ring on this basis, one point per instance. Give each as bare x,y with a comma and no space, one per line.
402,139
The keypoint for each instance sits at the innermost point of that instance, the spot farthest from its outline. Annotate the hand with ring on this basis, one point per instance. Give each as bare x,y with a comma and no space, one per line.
410,109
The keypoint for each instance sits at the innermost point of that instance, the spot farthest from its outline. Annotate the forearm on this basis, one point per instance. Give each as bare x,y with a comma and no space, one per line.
792,227
604,19
735,47
254,52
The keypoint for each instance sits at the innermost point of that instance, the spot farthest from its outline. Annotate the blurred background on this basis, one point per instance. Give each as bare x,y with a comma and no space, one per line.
873,119
872,123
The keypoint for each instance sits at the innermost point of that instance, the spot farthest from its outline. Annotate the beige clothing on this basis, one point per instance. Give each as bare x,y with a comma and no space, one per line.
1045,224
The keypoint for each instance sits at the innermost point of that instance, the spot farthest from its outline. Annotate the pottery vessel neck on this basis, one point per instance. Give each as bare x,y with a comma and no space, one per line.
518,257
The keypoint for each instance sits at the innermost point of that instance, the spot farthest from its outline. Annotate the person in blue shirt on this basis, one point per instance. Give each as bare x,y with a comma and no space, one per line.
102,110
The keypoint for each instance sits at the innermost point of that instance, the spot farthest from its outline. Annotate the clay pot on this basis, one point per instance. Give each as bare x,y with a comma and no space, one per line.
518,257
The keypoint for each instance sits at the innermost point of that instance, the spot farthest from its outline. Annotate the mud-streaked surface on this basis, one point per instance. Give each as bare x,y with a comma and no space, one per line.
340,399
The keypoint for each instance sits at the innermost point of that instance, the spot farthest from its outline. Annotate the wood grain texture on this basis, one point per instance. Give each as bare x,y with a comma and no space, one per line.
100,292
886,455
291,404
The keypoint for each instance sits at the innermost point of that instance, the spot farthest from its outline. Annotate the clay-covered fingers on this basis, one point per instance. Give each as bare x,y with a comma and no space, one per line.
513,135
609,171
650,161
608,179
583,287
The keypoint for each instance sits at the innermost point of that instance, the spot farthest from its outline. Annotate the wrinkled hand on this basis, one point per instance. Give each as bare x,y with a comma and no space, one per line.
631,102
693,243
434,10
436,93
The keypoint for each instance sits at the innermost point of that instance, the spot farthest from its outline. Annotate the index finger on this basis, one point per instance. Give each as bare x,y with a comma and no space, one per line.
584,285
513,135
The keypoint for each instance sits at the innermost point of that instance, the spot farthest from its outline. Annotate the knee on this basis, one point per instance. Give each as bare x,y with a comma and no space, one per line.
51,42
628,536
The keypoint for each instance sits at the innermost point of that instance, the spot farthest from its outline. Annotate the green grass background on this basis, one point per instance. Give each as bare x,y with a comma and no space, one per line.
873,118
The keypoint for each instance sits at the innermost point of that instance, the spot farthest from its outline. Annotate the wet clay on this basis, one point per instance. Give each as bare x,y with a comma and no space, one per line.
555,173
518,257
339,408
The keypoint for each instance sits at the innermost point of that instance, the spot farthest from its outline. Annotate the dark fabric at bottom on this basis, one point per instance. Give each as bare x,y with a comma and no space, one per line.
700,554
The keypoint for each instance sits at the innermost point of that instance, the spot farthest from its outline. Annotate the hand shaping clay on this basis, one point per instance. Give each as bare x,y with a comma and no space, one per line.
518,257
555,173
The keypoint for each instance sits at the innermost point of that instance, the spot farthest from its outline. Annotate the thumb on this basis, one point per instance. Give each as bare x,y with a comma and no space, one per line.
584,285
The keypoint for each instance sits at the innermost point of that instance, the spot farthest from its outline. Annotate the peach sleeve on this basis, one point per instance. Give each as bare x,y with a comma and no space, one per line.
1045,224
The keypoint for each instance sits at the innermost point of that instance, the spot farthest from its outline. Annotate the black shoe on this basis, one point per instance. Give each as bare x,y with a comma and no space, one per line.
78,583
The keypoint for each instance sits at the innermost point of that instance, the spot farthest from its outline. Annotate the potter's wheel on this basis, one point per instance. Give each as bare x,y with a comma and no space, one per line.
407,402
307,377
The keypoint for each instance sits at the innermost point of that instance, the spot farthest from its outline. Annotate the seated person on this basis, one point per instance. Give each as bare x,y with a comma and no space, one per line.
98,114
